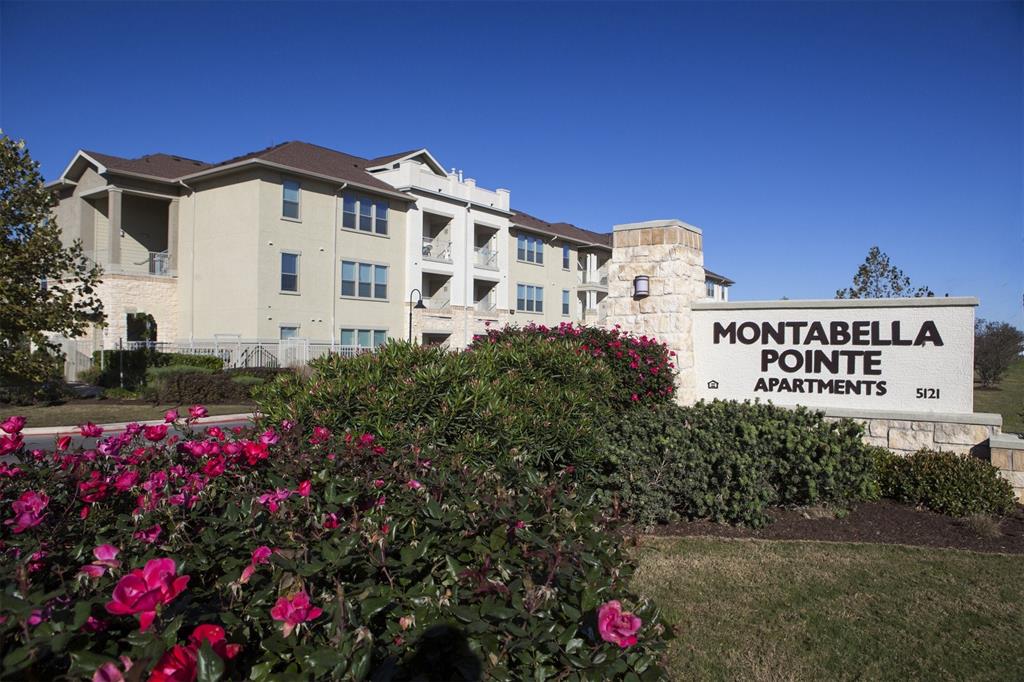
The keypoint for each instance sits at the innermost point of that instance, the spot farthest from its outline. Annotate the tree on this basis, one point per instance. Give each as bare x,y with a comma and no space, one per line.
44,286
878,278
996,346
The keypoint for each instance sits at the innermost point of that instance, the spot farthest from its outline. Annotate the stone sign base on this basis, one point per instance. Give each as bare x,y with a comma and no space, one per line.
975,434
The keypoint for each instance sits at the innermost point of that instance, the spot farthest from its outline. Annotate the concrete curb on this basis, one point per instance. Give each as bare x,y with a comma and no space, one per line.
116,427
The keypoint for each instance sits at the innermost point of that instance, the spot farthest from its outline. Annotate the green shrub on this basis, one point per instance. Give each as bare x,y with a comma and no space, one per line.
440,571
527,396
246,379
119,394
264,373
642,368
944,482
730,462
195,385
131,367
157,374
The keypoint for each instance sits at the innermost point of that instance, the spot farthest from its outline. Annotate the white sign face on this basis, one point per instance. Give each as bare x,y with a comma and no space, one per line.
914,355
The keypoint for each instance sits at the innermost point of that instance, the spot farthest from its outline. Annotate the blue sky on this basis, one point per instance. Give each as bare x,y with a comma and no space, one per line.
796,135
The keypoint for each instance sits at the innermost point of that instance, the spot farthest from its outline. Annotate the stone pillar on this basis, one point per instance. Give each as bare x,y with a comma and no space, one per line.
172,236
670,253
114,214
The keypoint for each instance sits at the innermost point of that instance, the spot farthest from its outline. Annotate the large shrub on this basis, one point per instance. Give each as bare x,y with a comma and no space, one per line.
183,384
321,556
731,461
944,482
526,396
642,367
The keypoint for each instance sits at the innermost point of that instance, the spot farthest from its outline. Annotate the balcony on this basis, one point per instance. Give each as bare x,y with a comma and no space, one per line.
485,257
486,308
596,280
438,304
437,250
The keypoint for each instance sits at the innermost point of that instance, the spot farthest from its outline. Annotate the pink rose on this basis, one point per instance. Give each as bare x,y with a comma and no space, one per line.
28,510
269,437
413,484
9,444
155,433
106,557
13,425
144,589
109,672
90,430
617,626
63,443
171,416
197,412
331,521
304,489
149,535
260,555
293,611
321,434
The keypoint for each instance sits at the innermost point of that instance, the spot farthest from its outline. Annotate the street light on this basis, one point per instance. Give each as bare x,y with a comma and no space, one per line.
419,306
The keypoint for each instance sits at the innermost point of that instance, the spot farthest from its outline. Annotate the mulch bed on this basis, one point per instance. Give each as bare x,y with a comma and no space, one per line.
879,522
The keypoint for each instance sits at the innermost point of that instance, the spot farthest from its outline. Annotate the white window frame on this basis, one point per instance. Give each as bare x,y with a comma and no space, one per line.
374,269
298,202
566,257
375,209
532,250
533,295
372,331
282,273
287,325
566,303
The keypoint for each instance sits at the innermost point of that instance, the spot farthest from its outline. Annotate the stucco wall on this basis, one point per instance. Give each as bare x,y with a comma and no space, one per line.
549,275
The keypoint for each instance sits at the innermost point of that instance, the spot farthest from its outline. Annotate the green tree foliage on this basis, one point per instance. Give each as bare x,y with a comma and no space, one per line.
878,278
996,346
31,254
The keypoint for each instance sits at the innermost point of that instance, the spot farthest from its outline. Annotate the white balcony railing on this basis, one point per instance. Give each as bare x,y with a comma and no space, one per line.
486,257
437,250
437,303
598,277
159,263
487,308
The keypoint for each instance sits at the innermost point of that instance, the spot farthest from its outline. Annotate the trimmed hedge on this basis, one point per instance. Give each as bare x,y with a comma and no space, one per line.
731,462
196,385
135,363
524,397
944,482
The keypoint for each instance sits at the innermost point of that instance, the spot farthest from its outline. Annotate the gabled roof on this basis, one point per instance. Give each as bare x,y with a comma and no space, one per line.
157,165
564,230
385,162
721,279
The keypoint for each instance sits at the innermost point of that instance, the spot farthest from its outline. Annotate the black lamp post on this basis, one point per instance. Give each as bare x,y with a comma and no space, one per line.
419,306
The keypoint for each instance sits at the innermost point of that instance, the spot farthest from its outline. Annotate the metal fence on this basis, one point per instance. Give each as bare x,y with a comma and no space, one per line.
233,352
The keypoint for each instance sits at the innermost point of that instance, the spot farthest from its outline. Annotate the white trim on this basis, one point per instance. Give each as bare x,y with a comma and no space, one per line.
434,162
100,168
922,302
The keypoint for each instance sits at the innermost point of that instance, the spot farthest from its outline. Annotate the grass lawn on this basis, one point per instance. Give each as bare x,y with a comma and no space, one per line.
101,412
1006,399
767,610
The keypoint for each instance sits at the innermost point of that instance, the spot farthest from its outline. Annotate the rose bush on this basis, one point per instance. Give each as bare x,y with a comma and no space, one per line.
290,553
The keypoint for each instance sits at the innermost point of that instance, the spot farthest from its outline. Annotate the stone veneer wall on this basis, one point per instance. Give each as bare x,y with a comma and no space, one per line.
1007,455
670,253
123,294
454,321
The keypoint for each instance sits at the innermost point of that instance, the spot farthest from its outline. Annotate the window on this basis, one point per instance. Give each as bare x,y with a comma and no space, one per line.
529,299
289,272
289,332
710,287
364,280
530,249
565,256
290,199
364,214
565,301
364,339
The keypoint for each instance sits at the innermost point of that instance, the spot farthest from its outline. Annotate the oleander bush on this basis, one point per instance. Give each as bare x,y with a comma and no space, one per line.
296,553
730,462
526,396
642,367
945,482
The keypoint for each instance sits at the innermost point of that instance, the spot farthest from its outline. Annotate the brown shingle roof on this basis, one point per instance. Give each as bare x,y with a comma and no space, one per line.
165,166
567,230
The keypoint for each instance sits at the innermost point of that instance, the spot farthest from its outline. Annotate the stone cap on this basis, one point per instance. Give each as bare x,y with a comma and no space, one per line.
649,224
1010,441
979,418
921,302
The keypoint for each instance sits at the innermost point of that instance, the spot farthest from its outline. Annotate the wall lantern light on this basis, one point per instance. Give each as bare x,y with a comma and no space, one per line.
641,286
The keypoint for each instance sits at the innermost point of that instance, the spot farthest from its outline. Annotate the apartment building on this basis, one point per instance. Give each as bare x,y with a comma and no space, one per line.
298,241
